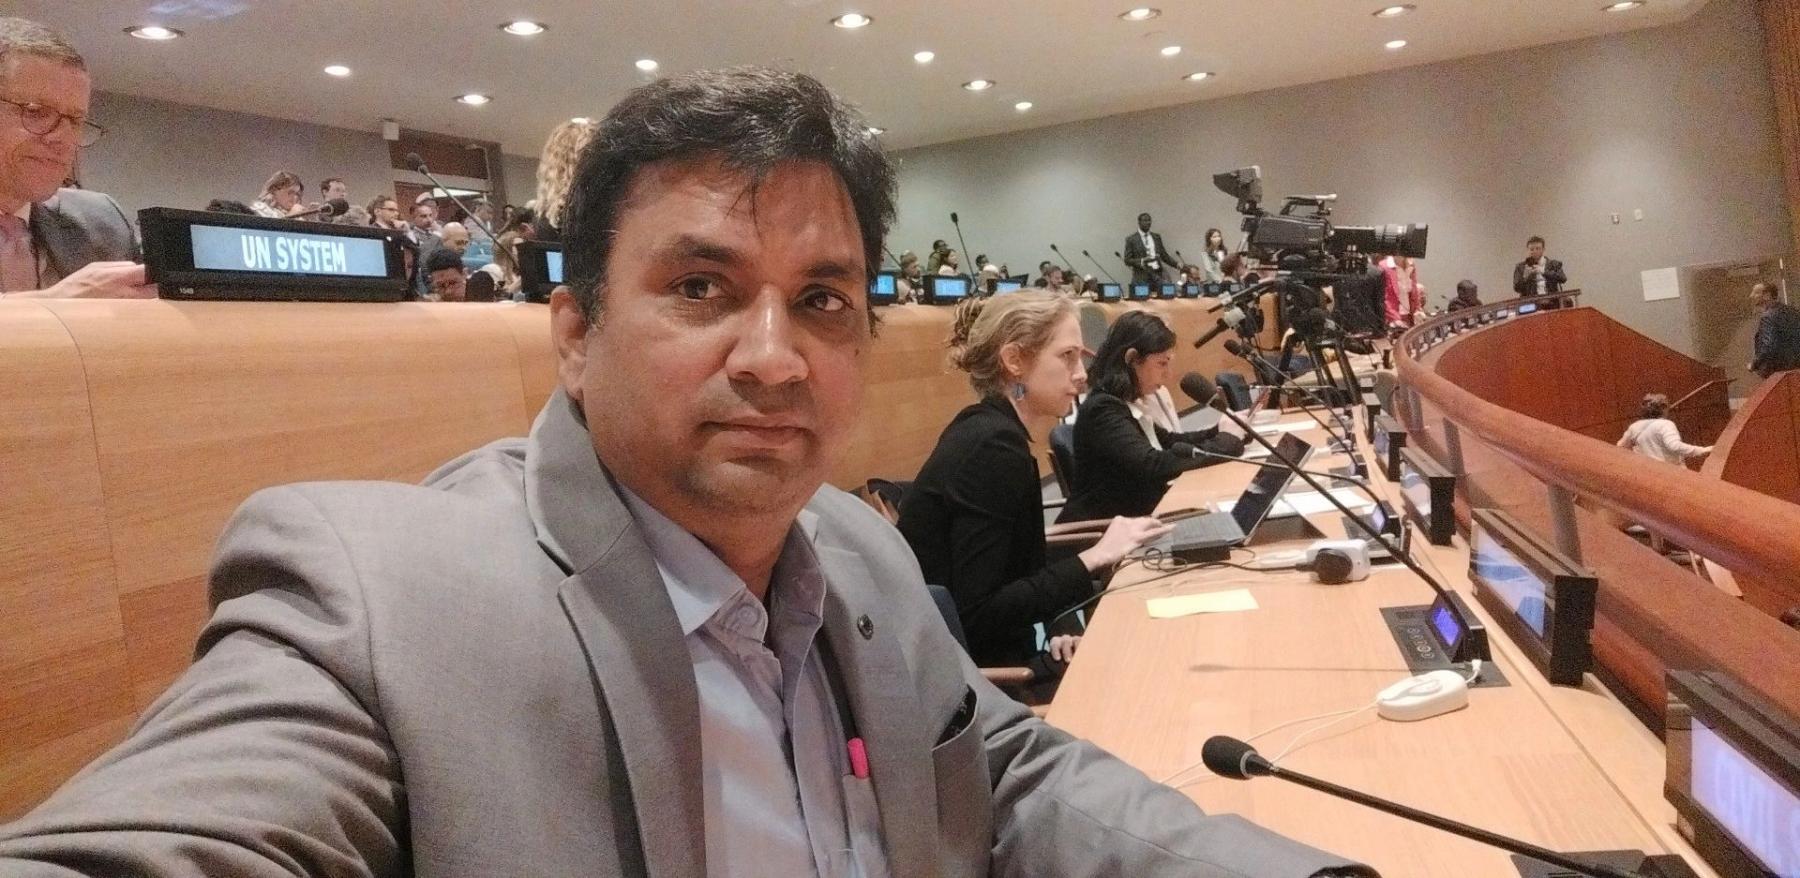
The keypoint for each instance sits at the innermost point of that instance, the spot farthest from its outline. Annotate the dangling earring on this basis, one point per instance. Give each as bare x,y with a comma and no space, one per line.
1018,390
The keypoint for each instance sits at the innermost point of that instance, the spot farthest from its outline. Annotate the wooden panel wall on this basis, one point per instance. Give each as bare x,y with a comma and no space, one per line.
1760,450
1781,36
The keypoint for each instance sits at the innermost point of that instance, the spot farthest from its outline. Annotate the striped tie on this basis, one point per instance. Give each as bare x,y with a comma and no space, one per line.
18,261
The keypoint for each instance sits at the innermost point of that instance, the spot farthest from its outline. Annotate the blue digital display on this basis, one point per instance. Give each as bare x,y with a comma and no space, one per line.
223,248
1527,308
1444,622
1007,286
1170,291
1110,291
1516,585
1140,291
1380,442
1415,486
950,289
882,286
1190,291
1758,811
553,271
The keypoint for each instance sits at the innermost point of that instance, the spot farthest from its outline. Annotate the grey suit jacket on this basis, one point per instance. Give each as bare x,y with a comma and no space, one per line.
75,227
484,676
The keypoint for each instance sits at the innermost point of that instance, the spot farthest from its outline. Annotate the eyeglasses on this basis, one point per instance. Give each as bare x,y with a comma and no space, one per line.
43,121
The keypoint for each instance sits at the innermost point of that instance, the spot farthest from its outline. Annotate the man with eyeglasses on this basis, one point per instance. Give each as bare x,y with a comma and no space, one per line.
54,242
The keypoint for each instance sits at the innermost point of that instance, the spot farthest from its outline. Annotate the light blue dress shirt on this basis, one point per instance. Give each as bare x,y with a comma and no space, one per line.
781,799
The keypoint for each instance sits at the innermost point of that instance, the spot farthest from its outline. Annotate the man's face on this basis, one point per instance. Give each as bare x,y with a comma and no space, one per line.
336,189
388,212
423,214
286,197
725,369
1143,223
1534,250
449,285
457,239
32,166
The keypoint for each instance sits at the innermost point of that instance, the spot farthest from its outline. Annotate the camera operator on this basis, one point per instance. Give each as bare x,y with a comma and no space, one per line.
1538,275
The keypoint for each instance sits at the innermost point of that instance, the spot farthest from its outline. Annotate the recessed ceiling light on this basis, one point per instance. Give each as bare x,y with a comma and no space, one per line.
1142,13
580,120
1022,106
1396,9
1395,44
924,57
1170,51
875,130
1202,76
154,32
473,99
524,28
1622,6
979,84
646,64
337,70
852,20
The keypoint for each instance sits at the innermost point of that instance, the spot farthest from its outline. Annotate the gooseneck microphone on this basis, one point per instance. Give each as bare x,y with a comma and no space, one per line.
1067,263
418,164
1102,268
966,255
1231,758
334,207
890,255
1257,362
1202,391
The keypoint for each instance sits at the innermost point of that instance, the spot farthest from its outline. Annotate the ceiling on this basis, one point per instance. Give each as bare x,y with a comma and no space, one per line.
1072,59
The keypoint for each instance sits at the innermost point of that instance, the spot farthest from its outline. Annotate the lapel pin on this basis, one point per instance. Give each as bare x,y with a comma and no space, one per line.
866,626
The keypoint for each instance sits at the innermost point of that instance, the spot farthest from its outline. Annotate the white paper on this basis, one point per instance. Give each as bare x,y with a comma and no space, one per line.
1284,427
1661,283
1310,502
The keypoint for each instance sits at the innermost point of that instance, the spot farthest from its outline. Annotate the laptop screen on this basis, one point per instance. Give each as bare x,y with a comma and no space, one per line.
1270,481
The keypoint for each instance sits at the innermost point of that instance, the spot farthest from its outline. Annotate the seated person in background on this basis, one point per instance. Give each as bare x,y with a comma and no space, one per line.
1043,278
910,284
444,279
502,275
1655,436
974,516
936,260
1467,296
455,238
951,265
281,196
1538,275
1235,267
384,213
1123,458
1403,297
54,243
1777,333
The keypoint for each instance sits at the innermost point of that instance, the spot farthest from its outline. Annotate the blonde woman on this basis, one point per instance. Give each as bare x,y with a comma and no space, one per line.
974,517
280,196
556,167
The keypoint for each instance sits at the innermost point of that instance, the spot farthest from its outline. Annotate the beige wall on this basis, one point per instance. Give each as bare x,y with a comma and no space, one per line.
1677,121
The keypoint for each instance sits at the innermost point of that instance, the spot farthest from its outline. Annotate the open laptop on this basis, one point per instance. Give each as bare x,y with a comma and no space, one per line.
1211,536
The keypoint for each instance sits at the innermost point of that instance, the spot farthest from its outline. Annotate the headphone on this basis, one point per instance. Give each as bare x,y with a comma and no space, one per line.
1331,566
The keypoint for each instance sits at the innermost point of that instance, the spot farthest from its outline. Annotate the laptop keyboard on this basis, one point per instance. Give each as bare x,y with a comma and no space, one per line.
1218,527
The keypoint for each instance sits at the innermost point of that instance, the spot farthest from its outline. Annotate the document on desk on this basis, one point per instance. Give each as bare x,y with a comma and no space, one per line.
1310,502
1284,427
1235,600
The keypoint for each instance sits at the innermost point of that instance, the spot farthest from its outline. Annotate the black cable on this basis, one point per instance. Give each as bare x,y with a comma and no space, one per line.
1152,559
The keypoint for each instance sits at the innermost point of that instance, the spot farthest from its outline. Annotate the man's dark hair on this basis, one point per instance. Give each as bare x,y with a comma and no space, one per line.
1534,239
1466,289
1141,331
226,205
939,245
753,119
442,258
1143,216
326,183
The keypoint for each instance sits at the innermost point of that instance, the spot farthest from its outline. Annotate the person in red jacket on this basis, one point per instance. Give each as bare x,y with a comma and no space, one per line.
1405,296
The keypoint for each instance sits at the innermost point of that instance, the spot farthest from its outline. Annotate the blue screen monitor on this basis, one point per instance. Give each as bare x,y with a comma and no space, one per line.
1528,308
1733,774
1140,292
1190,291
883,290
1008,286
1541,597
1170,291
946,289
1111,292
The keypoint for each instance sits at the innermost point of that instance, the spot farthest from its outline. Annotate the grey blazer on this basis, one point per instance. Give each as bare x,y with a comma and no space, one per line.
484,676
75,227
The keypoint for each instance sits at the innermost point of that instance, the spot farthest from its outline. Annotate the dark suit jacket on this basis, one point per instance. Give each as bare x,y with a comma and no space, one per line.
75,227
1117,470
1136,255
1777,341
975,519
1554,278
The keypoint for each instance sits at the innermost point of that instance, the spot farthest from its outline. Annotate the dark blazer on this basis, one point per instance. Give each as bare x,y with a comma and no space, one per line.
1777,341
1136,255
1554,278
1117,471
75,227
975,519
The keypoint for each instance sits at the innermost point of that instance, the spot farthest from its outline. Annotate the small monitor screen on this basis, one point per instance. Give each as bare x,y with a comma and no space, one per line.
1516,585
1415,486
1140,291
1528,307
1759,812
1170,291
951,289
553,266
1007,286
1380,442
1190,291
226,248
1110,291
1213,289
1444,622
882,287
1268,483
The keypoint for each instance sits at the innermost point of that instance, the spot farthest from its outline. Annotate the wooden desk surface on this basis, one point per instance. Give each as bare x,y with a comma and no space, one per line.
1570,769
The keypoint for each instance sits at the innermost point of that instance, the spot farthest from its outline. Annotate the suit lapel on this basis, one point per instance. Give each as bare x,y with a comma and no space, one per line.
619,607
54,232
887,712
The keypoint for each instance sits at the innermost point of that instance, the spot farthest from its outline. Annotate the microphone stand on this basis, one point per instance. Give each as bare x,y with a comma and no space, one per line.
965,246
1348,436
1102,268
419,166
1067,263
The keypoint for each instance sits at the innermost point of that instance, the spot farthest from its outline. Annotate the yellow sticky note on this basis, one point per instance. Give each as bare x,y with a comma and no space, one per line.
1234,601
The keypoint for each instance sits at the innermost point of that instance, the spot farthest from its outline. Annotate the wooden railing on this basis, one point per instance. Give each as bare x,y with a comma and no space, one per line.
1760,450
1496,392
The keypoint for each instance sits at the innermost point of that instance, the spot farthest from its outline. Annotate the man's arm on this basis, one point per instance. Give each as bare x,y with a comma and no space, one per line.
1554,276
266,757
1523,284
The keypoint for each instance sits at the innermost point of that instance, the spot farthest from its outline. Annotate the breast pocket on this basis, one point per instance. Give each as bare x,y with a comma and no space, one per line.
964,794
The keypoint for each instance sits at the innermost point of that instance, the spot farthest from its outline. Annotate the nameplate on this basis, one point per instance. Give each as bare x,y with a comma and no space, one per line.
223,248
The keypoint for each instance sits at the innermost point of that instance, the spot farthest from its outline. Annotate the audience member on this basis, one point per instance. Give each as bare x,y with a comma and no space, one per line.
1145,253
1467,296
1212,257
910,285
1403,297
935,260
483,210
428,220
384,212
334,189
556,168
354,215
281,196
1124,459
503,272
226,205
950,265
423,228
1235,268
444,277
1655,436
974,515
456,238
1777,332
1538,275
1043,278
54,242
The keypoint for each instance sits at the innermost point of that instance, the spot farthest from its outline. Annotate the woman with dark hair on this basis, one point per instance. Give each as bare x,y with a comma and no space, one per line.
1124,459
1212,256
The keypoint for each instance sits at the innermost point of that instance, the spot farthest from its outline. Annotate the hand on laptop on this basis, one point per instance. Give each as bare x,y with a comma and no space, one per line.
1121,537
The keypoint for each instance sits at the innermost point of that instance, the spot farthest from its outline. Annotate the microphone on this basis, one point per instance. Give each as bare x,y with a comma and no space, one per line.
1231,758
418,164
1192,451
334,207
1102,268
1067,263
1202,391
965,244
1258,361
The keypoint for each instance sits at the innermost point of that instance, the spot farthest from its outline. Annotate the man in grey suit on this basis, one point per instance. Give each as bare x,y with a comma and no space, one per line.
643,640
54,243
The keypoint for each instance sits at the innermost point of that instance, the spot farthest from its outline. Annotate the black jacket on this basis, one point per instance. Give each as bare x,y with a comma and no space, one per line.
1777,341
1137,256
1118,471
975,519
1554,278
